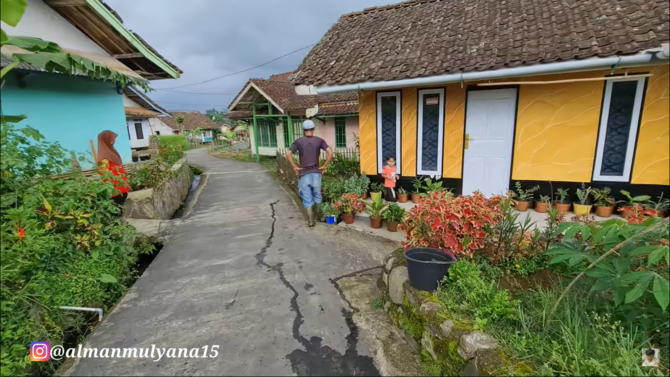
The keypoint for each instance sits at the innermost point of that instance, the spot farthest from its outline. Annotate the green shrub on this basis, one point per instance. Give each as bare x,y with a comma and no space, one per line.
467,295
63,244
333,189
151,174
175,141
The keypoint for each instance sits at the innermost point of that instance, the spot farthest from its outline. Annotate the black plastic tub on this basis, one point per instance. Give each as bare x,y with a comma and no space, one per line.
427,267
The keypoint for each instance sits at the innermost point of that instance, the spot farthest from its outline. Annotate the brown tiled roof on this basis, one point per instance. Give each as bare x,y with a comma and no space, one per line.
239,114
140,112
282,92
192,120
338,108
137,96
431,37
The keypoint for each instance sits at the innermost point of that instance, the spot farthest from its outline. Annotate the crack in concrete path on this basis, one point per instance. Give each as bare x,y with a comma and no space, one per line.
318,359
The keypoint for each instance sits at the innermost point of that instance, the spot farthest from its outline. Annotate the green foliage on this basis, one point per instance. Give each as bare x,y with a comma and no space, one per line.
431,186
627,274
417,183
327,209
545,199
343,166
175,141
662,204
153,173
633,200
402,191
376,208
333,188
63,244
394,212
562,195
466,294
357,184
601,197
583,194
376,187
575,342
378,303
524,194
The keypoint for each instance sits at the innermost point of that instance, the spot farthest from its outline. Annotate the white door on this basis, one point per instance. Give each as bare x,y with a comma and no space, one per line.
489,135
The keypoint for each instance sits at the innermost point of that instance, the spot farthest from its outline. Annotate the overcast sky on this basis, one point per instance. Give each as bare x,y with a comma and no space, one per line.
211,38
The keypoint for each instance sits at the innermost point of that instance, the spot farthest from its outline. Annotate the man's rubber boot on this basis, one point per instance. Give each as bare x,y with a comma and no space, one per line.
310,216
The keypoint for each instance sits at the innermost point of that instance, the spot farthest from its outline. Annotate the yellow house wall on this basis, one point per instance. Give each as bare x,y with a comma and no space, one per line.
556,130
652,158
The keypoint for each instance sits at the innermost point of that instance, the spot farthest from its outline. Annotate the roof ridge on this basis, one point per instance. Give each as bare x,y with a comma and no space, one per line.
382,8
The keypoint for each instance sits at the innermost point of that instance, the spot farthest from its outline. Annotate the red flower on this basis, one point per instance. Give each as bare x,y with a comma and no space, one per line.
22,234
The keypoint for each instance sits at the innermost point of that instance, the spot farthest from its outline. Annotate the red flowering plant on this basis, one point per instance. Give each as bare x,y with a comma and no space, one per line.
637,214
457,224
349,203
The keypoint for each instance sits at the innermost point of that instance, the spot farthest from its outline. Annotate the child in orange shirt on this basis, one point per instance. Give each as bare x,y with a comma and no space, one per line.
390,177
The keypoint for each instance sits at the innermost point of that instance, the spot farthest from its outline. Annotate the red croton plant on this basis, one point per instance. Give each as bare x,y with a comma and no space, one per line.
441,221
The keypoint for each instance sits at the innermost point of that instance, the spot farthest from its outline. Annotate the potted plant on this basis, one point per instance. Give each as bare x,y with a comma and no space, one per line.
603,201
660,206
416,194
583,208
375,209
522,203
376,190
348,205
394,215
542,206
431,186
627,209
561,202
358,184
402,195
330,213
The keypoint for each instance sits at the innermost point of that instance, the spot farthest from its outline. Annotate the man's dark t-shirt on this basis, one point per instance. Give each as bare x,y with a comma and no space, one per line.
309,149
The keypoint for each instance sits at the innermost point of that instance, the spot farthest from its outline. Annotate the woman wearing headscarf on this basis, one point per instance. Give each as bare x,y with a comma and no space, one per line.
110,160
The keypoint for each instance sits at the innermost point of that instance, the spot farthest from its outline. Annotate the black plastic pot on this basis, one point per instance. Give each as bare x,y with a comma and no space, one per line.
427,267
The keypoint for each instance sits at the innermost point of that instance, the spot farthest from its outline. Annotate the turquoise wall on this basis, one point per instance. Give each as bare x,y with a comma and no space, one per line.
69,110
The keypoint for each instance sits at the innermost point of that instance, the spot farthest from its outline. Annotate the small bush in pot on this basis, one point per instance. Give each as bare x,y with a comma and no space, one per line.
357,184
394,215
522,203
660,206
583,208
402,195
348,205
376,190
431,186
333,188
627,207
417,183
375,209
603,201
561,201
330,213
542,206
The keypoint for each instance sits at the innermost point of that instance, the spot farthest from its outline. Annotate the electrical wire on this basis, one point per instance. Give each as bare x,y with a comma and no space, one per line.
211,94
242,71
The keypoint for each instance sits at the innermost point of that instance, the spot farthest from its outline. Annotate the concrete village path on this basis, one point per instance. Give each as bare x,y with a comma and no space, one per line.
242,271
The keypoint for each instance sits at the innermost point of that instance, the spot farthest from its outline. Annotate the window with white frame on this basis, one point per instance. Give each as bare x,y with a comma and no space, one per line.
431,132
618,130
139,132
388,129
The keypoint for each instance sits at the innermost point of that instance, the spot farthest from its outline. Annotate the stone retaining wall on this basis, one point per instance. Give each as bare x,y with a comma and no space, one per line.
162,202
447,347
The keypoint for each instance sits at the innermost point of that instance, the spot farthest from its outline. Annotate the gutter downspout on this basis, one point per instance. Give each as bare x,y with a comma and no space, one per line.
538,69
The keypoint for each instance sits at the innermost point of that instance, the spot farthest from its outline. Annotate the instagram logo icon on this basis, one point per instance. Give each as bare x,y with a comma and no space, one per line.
40,351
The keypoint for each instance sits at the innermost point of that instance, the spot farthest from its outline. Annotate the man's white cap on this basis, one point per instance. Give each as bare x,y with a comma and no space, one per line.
308,125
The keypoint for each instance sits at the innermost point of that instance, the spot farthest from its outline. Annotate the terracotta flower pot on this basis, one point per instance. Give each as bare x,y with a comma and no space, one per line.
660,213
562,207
402,198
375,222
521,206
392,226
348,218
366,195
416,198
375,195
541,207
604,211
582,209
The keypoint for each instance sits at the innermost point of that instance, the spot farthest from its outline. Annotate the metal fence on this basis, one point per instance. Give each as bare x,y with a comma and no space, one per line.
346,153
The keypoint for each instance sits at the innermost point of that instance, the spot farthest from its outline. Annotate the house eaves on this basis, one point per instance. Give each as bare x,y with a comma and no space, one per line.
244,91
103,26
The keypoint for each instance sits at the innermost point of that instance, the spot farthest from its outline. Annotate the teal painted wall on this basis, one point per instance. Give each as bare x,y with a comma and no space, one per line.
69,110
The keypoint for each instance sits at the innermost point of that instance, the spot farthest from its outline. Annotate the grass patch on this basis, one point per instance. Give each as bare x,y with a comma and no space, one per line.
174,141
267,162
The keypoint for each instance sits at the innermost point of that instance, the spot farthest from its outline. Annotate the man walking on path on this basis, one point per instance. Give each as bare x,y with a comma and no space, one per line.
309,149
